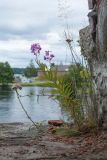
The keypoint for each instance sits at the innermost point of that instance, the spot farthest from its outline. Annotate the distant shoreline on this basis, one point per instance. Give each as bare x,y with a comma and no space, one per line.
35,84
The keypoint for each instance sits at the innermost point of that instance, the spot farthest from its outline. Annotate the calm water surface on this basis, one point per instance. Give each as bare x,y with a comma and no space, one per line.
11,111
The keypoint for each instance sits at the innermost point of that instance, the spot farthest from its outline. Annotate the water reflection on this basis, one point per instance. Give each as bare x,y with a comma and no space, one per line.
11,111
5,92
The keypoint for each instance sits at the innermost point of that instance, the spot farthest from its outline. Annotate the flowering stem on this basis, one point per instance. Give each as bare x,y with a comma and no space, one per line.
18,96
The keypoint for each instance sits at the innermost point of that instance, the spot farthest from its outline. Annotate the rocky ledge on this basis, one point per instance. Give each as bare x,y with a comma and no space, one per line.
24,142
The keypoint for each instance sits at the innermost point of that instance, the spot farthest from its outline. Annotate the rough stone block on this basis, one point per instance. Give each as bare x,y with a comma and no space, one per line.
90,4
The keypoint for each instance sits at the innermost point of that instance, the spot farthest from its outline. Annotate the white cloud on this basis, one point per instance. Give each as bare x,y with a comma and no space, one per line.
25,22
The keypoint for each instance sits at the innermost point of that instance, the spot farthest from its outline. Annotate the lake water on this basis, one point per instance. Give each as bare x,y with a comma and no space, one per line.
11,111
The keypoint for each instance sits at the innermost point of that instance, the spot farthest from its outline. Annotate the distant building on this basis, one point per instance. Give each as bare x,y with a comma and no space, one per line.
62,70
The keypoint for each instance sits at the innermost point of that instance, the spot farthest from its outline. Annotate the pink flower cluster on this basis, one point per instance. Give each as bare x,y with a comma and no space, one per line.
35,48
48,56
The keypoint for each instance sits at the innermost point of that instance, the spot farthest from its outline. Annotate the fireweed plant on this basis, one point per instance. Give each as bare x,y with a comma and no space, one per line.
63,92
70,90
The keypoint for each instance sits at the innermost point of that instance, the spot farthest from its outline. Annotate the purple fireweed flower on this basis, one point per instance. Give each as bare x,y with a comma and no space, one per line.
48,56
35,48
52,56
44,57
47,53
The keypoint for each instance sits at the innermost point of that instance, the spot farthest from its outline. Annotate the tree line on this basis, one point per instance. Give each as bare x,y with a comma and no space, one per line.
7,72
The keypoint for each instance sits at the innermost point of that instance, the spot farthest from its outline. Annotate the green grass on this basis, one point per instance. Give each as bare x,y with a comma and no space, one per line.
32,84
35,83
62,131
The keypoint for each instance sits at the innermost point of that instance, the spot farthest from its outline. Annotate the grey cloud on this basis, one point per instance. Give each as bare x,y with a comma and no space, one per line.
33,20
28,33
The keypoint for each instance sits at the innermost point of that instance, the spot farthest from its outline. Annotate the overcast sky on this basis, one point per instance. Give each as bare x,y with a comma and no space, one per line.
24,22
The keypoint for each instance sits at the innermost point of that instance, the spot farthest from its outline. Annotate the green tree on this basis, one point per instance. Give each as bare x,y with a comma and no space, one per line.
30,71
6,73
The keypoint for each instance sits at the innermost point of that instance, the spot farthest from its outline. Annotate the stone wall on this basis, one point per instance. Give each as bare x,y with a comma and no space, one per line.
86,43
93,41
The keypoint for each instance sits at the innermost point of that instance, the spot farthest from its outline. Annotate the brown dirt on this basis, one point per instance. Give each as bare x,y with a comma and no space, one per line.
21,142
